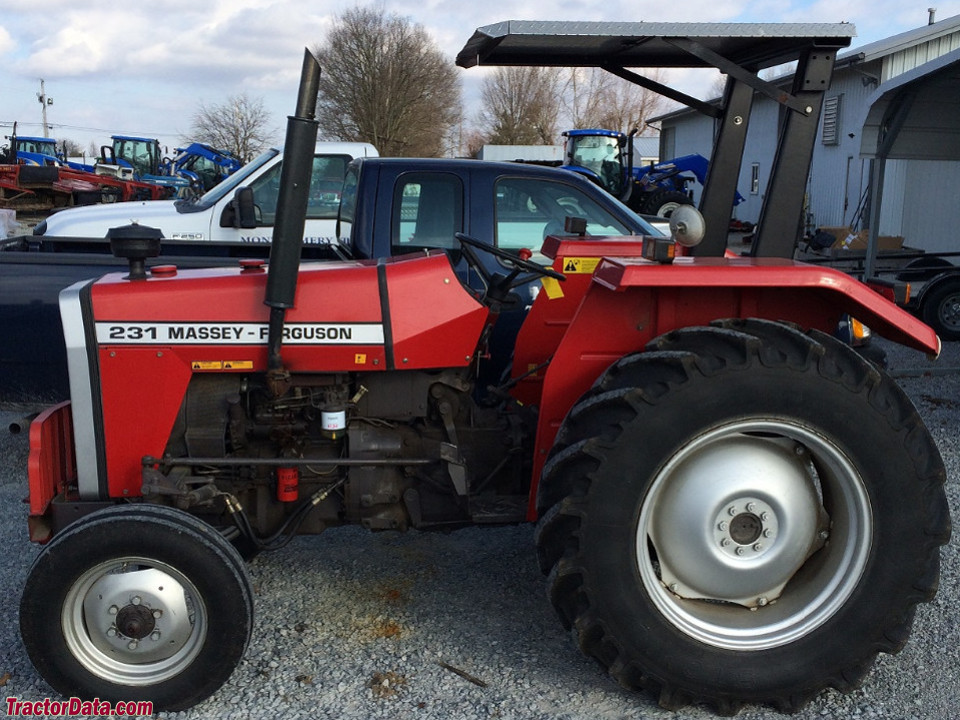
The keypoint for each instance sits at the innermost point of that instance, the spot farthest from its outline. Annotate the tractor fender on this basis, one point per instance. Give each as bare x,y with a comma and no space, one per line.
630,301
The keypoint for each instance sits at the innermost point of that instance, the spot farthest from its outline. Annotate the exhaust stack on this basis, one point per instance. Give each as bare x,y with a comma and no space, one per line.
291,212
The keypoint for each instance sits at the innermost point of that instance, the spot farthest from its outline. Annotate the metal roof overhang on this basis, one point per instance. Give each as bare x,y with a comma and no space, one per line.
753,46
740,50
914,116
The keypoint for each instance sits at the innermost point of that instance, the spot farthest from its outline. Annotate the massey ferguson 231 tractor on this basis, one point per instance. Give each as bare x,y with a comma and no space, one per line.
732,506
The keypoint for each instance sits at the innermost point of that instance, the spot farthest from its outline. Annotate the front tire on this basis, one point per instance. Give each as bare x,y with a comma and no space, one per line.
137,602
662,203
743,513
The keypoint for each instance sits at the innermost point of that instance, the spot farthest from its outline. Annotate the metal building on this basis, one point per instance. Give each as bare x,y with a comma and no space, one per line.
918,187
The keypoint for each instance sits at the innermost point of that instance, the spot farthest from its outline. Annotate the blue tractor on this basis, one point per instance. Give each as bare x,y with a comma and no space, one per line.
24,150
606,157
192,171
203,165
137,158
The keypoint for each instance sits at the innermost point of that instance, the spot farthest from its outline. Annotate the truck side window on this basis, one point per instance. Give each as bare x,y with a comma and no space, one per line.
527,210
326,183
427,211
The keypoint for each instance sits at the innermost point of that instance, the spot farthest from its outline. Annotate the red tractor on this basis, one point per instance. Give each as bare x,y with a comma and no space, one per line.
732,505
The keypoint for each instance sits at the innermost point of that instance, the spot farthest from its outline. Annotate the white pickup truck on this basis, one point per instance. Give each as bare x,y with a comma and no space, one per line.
214,216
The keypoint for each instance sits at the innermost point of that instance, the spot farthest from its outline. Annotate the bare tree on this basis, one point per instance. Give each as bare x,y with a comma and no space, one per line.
71,148
238,125
597,99
384,81
521,106
585,92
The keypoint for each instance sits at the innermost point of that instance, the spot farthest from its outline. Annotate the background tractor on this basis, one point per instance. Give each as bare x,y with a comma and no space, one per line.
606,157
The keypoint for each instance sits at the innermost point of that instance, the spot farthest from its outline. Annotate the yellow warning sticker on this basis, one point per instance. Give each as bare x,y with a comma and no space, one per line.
222,365
207,365
238,364
580,265
360,359
551,287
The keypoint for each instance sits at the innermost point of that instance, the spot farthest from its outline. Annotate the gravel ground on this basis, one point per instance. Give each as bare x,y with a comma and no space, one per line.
356,625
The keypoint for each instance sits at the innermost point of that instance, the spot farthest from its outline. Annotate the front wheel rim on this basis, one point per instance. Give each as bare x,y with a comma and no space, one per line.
134,621
770,594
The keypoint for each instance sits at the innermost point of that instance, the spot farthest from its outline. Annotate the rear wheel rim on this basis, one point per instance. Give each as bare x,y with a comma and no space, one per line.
836,525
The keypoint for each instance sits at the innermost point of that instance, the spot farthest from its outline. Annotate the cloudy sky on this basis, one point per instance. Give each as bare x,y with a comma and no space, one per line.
143,68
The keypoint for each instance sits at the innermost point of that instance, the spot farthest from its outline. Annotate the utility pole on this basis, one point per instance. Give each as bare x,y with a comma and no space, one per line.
44,101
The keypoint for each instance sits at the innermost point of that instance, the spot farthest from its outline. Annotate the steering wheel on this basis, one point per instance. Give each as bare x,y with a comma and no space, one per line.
499,286
518,262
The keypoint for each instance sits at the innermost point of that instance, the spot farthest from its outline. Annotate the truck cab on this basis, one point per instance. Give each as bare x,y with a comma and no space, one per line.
213,217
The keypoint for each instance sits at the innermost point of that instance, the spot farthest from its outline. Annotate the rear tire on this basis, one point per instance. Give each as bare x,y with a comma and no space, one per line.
720,525
137,602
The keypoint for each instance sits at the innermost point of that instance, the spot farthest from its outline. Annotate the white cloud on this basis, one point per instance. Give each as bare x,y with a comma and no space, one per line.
144,67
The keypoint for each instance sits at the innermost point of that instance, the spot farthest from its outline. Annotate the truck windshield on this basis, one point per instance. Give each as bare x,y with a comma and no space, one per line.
601,155
37,146
143,155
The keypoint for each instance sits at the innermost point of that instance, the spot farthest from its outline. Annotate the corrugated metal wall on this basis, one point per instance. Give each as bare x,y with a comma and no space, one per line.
899,62
838,175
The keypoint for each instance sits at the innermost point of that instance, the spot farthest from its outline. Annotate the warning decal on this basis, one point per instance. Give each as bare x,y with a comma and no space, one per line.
228,333
580,265
222,365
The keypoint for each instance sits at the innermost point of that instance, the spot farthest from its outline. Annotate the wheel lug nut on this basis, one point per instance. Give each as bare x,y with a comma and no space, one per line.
739,551
722,526
757,547
157,614
132,645
113,610
111,632
135,600
155,635
674,587
724,542
732,511
764,516
762,601
751,507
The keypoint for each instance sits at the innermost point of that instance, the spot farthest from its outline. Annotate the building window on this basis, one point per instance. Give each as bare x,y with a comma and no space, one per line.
831,120
755,179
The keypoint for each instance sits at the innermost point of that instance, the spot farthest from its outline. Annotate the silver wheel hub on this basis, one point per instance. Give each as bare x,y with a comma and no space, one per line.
134,621
138,616
738,518
753,534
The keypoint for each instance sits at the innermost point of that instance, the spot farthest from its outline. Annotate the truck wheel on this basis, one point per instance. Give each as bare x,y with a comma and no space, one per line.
137,602
663,202
744,514
941,309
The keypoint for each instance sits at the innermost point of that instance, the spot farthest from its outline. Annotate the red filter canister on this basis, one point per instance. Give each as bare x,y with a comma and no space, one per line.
288,482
